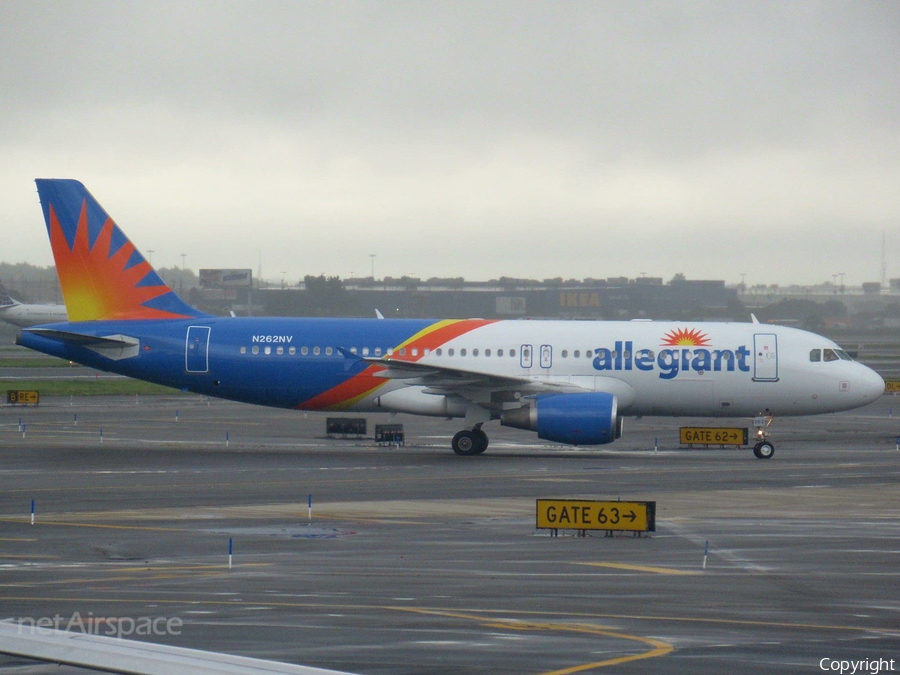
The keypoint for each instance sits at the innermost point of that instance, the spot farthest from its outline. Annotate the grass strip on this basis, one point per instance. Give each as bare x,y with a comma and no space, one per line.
88,387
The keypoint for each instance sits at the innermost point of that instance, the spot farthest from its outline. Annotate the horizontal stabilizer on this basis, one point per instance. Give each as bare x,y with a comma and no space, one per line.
114,347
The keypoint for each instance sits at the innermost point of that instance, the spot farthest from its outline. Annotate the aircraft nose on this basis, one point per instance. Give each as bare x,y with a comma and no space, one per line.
871,384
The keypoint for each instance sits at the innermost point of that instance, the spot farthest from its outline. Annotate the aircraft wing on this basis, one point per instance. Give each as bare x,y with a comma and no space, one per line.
472,385
132,657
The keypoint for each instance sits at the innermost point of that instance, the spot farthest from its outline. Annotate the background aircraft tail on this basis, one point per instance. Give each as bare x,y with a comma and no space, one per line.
102,275
5,300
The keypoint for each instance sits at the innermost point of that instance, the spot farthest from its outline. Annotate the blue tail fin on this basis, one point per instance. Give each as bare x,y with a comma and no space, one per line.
102,275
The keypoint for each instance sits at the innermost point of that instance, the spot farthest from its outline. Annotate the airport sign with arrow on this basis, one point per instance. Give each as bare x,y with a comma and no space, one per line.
582,514
713,435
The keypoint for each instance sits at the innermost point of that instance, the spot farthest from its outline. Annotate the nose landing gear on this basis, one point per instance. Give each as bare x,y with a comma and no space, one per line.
764,449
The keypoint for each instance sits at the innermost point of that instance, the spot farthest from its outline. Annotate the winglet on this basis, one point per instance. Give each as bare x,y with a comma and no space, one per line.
101,273
753,318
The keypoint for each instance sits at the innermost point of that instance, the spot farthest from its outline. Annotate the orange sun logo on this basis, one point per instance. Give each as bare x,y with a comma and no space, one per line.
98,283
685,338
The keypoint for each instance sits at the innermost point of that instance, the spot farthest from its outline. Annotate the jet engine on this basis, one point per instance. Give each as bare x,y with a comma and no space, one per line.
589,418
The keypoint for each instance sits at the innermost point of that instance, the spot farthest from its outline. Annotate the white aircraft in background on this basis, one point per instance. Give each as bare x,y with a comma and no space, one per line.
22,315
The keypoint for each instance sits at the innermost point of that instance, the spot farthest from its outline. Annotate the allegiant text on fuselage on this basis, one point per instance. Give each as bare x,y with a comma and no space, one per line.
671,361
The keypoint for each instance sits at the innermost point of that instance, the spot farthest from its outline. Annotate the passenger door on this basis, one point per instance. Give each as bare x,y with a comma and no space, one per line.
196,349
765,357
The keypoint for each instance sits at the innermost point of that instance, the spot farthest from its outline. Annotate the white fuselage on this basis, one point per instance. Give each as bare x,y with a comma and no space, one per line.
660,368
23,316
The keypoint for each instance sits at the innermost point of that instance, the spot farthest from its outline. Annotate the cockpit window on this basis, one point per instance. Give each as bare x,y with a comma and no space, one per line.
830,355
815,355
844,356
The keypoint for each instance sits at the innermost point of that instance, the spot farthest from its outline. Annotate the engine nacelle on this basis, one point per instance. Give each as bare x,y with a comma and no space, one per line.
589,418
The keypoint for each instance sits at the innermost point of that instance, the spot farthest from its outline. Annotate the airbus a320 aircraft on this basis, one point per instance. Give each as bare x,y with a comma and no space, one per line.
570,381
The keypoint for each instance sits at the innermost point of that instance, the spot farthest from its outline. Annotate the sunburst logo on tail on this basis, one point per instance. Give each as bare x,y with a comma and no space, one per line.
120,295
684,337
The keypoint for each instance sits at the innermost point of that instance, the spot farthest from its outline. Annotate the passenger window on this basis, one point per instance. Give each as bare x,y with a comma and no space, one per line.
576,354
474,352
487,352
415,351
243,350
316,351
402,351
304,350
565,353
450,352
268,350
280,350
439,351
815,355
426,351
255,349
499,352
462,352
377,351
292,351
829,355
328,351
512,352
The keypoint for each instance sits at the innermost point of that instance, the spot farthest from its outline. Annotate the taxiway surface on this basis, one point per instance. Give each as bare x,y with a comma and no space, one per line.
415,560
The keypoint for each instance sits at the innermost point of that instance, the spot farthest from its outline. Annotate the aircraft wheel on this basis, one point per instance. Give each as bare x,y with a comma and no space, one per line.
764,450
469,442
482,442
465,443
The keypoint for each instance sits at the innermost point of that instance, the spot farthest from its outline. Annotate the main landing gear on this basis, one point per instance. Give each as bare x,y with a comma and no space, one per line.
764,449
470,442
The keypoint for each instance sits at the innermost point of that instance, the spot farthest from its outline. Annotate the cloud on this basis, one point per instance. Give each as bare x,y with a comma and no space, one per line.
474,139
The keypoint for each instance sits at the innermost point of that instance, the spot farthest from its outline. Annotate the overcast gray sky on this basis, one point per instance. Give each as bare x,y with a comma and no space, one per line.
528,139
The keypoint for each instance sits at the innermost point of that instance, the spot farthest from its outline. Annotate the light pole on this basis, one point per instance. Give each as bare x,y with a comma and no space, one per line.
372,256
150,256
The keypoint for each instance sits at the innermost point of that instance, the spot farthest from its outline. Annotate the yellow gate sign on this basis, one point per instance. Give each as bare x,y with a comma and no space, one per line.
21,397
891,386
713,435
580,514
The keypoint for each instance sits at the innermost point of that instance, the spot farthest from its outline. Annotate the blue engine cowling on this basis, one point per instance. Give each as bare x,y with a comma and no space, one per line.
589,418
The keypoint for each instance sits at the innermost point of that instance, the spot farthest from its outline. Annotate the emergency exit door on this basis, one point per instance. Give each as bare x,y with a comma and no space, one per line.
765,357
196,350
